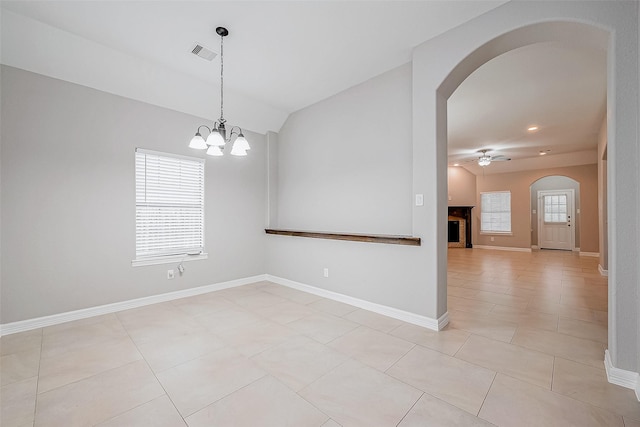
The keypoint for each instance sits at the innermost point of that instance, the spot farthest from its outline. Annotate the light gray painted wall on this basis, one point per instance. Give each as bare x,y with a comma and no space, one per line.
272,180
344,164
343,161
554,183
602,196
68,214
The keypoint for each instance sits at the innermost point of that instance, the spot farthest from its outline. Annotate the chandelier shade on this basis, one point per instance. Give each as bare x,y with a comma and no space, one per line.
217,139
198,142
214,150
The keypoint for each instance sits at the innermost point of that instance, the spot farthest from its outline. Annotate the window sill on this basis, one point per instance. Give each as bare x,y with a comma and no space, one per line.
495,233
167,259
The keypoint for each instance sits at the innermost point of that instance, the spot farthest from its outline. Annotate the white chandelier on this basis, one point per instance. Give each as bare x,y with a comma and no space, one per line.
217,136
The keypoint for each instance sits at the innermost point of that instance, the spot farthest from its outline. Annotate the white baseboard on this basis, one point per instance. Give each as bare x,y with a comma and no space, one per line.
534,247
55,319
621,377
405,316
591,254
502,248
602,271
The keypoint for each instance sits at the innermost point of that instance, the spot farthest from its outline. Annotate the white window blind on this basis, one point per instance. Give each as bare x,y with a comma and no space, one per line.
169,205
495,208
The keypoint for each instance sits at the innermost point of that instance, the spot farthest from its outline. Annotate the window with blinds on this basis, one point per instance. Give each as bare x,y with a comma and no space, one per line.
495,212
169,205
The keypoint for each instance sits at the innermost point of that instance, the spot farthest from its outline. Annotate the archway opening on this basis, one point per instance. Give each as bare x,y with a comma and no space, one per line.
555,213
569,34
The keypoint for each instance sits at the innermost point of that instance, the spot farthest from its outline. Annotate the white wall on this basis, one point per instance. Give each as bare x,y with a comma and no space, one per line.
68,205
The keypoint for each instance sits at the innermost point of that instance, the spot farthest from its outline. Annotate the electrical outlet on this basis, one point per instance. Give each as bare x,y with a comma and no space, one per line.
492,238
325,272
171,274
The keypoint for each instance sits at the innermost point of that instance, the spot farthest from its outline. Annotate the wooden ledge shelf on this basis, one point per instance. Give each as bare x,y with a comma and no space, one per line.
370,238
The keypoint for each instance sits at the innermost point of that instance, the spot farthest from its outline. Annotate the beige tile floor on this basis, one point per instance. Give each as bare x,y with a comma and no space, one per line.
525,346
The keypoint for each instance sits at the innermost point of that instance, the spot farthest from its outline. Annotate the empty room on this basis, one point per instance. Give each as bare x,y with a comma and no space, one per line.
319,213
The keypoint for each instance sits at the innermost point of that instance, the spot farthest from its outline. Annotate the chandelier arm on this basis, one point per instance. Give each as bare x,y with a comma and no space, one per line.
235,129
204,126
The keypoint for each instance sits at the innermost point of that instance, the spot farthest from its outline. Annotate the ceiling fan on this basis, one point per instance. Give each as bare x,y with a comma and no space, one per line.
485,159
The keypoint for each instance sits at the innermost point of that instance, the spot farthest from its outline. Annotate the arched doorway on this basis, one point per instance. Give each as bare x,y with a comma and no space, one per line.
555,213
461,52
570,33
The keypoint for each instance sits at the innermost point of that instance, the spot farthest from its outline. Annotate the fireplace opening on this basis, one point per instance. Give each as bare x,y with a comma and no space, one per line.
454,231
459,228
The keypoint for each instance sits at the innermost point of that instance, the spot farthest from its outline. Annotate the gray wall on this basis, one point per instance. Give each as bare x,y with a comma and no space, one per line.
344,164
343,161
68,214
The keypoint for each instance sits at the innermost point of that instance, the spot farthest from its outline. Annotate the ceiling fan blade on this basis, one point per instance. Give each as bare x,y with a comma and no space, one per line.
500,159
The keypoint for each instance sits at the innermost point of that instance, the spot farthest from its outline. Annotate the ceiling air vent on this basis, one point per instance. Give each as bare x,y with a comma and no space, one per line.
203,52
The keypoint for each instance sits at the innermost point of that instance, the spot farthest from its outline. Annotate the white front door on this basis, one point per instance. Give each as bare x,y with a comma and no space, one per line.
555,219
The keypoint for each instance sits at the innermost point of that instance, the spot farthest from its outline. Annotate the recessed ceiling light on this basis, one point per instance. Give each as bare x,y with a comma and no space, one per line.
543,152
456,164
532,128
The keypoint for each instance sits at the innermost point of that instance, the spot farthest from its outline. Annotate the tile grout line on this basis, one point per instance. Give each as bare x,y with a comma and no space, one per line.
409,410
154,376
486,395
35,403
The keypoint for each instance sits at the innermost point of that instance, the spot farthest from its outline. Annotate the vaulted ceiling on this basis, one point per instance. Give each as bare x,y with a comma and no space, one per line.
282,56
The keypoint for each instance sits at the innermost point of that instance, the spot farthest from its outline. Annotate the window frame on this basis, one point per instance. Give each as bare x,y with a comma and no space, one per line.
496,232
555,211
168,257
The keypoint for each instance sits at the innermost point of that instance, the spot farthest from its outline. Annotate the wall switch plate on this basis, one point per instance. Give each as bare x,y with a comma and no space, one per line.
171,274
533,211
419,200
325,272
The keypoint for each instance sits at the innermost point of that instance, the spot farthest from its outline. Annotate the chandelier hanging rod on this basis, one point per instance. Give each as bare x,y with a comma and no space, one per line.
217,138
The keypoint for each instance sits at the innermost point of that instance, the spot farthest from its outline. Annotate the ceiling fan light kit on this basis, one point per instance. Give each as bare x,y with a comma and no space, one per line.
217,135
485,159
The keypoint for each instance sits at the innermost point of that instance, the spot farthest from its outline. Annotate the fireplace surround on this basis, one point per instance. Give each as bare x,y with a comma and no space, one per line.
462,214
